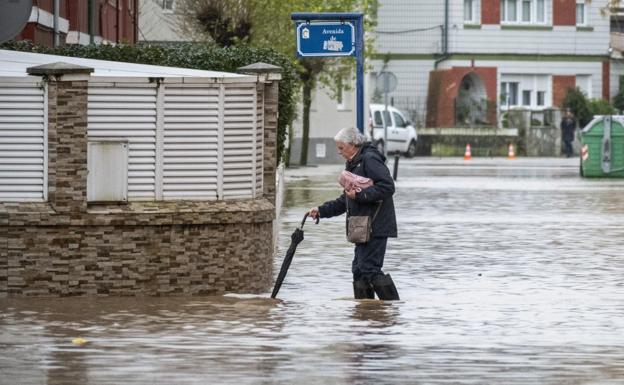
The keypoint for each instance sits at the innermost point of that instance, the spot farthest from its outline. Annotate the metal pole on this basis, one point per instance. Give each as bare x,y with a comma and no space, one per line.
359,52
117,21
385,124
90,10
56,22
396,167
446,26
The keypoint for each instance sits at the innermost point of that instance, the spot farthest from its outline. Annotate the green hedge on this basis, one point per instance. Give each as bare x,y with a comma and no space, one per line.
192,55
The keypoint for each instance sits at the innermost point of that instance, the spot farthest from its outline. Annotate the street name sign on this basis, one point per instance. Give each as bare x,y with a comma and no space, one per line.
325,39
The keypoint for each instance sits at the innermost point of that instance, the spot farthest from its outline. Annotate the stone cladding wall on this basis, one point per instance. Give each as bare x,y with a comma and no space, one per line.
66,247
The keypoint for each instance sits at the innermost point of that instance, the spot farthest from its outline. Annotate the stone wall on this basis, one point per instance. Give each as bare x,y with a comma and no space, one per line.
67,247
139,249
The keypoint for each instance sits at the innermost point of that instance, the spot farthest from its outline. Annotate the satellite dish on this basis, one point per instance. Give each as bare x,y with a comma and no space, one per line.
14,15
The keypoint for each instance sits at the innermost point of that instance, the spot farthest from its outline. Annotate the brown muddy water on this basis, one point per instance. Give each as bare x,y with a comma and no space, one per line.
510,272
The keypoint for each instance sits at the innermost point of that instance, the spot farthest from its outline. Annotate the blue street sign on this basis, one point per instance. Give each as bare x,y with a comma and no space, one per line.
325,39
350,46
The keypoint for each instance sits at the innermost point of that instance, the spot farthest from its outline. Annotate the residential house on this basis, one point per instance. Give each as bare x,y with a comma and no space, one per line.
82,22
465,62
159,21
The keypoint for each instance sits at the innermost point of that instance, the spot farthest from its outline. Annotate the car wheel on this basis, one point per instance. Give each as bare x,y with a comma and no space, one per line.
380,146
411,150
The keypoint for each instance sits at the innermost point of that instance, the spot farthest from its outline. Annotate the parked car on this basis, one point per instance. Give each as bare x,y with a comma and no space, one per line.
401,134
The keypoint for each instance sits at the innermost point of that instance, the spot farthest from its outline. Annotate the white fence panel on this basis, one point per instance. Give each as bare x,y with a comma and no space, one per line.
23,142
239,141
128,111
200,141
190,142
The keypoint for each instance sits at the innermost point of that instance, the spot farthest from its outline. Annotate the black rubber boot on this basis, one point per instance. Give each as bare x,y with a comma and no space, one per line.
363,290
384,287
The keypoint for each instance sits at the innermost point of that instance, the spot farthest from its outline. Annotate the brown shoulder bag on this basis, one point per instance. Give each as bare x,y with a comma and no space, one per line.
359,227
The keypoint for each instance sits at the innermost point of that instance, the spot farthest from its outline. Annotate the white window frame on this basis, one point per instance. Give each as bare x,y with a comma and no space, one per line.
505,91
519,9
471,6
583,4
533,83
545,18
530,104
537,98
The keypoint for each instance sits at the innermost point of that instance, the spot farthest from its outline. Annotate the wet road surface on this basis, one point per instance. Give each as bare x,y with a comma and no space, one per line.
510,272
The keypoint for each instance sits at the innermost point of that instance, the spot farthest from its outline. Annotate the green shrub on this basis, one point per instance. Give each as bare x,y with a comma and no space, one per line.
601,107
192,55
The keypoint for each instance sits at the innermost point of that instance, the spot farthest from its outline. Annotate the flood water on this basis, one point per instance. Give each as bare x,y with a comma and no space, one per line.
510,272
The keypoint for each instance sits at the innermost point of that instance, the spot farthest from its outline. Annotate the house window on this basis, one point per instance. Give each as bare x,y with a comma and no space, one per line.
541,98
509,92
167,5
526,11
523,11
540,11
509,10
617,23
469,12
526,97
581,16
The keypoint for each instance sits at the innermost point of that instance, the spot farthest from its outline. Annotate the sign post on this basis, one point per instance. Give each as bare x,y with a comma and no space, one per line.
334,34
386,83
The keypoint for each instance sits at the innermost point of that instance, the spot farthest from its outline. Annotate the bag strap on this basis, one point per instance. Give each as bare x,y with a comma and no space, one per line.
377,211
374,215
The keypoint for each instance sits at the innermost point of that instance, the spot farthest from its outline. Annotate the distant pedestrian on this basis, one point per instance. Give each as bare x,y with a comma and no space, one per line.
376,202
568,125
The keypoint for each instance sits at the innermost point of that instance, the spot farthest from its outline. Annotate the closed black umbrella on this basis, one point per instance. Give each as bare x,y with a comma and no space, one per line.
296,239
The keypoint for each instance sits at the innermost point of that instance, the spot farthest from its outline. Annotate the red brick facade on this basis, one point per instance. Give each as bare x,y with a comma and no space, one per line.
490,12
561,83
113,21
564,12
444,89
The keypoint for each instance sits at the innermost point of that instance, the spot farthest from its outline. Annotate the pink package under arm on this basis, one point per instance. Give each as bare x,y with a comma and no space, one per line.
351,181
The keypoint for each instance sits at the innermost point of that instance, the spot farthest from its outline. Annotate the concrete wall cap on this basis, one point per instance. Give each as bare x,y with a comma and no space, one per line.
58,68
260,68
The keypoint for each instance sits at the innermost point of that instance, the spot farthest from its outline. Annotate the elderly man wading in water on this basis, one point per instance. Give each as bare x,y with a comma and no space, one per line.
376,202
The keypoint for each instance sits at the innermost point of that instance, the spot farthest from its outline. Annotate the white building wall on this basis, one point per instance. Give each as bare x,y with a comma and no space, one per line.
158,24
561,40
411,93
413,27
589,74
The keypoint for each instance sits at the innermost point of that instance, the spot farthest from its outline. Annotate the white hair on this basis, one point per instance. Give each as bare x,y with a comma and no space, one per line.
350,135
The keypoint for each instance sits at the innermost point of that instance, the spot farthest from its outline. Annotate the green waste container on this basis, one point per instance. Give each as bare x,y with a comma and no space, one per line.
602,147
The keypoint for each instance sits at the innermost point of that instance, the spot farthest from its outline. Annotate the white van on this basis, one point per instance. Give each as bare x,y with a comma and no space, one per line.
401,134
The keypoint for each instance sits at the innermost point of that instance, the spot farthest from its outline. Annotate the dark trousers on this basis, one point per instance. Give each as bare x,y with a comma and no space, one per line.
567,147
369,258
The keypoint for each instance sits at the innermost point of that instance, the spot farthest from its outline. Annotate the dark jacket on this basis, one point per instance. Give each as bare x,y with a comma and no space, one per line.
568,125
368,162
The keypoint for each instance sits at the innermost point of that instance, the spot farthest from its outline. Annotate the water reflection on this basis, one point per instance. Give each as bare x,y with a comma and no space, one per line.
509,273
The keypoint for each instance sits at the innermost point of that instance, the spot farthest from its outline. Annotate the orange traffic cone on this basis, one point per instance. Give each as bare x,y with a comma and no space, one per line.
510,152
467,155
